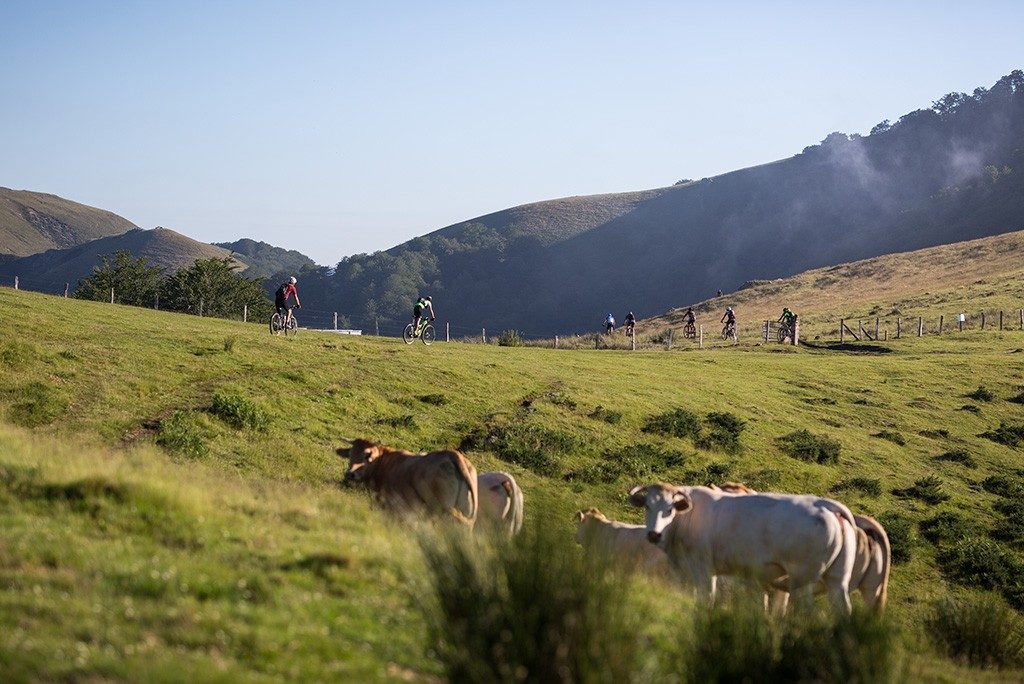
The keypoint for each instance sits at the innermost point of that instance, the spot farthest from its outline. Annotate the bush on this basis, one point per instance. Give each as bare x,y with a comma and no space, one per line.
510,338
712,473
808,446
530,446
229,343
180,434
979,629
982,563
607,415
638,461
866,485
405,421
892,436
961,456
675,423
528,609
433,399
971,408
1004,485
37,404
1010,435
981,394
947,527
239,412
900,531
1017,398
723,433
927,489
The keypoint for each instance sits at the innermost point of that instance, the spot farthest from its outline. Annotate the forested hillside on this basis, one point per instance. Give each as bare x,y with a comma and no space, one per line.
948,173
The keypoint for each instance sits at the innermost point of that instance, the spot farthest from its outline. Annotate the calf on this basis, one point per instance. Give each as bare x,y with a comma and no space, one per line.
620,542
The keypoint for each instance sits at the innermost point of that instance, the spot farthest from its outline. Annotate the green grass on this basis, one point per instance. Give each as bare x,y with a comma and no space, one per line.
148,537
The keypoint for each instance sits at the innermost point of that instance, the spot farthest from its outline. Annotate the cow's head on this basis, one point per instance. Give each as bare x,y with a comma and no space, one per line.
662,503
583,518
361,456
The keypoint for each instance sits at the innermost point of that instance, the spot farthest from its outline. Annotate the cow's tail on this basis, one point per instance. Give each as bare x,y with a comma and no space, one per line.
875,532
466,499
515,497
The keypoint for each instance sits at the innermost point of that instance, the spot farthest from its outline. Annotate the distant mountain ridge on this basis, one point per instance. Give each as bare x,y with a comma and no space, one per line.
162,247
32,222
945,174
264,260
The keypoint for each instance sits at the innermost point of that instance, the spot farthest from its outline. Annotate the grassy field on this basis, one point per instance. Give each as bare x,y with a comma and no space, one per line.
171,503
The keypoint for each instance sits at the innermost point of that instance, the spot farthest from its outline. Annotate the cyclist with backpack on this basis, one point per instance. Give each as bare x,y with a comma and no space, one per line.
729,318
417,313
609,324
285,291
630,324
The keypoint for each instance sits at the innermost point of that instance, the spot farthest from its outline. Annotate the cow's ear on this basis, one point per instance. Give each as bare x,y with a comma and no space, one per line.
342,451
681,501
638,496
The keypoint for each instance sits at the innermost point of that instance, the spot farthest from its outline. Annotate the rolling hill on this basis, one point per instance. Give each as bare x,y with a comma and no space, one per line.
949,173
32,222
264,260
171,503
48,271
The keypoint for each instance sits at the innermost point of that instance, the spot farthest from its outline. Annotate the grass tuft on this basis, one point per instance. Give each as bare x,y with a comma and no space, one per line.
807,446
1004,485
510,338
1010,435
891,436
900,531
979,629
961,456
865,485
636,461
978,562
678,422
723,433
607,415
37,404
180,434
433,399
239,412
981,394
947,527
927,489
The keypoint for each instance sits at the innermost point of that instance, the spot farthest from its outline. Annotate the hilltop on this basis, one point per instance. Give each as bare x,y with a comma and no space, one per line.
216,537
31,222
264,260
948,173
162,247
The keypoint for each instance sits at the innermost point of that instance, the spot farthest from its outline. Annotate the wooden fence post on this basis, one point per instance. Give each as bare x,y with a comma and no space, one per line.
670,339
632,340
376,327
15,282
899,327
483,334
876,328
796,332
447,331
1000,319
111,295
842,330
767,329
556,341
982,320
245,316
335,320
942,320
701,343
1022,319
67,286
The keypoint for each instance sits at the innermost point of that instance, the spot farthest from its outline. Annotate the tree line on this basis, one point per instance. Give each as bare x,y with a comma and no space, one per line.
211,284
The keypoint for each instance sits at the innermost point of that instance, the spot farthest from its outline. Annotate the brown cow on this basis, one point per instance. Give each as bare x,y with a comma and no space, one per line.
441,482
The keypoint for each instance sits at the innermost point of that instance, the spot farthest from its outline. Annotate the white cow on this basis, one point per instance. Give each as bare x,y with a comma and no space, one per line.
870,574
620,542
761,537
501,502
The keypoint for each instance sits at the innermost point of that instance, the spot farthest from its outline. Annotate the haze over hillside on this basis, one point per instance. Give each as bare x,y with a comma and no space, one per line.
160,247
945,174
31,222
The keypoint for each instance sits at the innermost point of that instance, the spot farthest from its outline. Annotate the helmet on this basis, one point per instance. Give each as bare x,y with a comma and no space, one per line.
292,280
729,309
426,299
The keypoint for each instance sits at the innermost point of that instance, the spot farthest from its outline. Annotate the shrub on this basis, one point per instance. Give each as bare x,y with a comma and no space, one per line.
528,609
180,434
607,415
712,473
676,423
638,461
961,456
1004,485
947,527
892,436
808,446
229,343
971,408
981,394
984,564
927,489
1017,398
866,485
723,433
433,399
239,412
37,404
979,629
935,434
510,338
900,531
1010,435
530,446
405,421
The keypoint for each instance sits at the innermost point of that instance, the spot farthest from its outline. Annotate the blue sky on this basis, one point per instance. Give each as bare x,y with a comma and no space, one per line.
336,128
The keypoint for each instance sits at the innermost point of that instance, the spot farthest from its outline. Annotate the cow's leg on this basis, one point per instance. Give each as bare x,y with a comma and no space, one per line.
803,596
778,600
837,575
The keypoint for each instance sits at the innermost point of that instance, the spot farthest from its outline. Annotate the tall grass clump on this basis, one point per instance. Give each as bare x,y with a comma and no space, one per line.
17,354
239,412
510,338
981,394
527,609
531,446
636,461
180,434
866,485
723,432
978,562
1004,485
678,422
948,527
928,489
807,446
900,531
37,404
1010,435
891,436
979,629
607,415
961,456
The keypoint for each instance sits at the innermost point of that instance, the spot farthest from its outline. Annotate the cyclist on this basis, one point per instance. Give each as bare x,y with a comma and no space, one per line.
417,313
630,323
730,323
609,323
787,317
285,291
690,318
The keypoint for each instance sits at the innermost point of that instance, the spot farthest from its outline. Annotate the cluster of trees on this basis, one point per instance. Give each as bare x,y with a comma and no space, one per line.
209,283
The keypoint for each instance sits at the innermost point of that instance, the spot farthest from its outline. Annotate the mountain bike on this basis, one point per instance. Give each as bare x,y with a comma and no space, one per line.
785,331
425,333
279,323
690,330
729,331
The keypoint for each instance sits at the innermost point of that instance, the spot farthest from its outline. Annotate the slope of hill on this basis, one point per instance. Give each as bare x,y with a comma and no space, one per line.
986,274
939,175
31,222
163,247
178,542
264,260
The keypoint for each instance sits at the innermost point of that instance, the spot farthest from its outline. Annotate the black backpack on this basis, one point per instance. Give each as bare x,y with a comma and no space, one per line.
280,291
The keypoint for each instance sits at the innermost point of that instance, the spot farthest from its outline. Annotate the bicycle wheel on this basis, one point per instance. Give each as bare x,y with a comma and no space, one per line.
783,334
427,335
292,327
275,324
407,335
